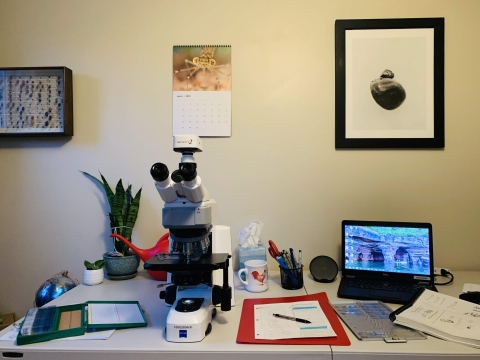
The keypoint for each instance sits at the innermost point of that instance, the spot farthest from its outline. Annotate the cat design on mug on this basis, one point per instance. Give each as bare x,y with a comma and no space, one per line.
260,277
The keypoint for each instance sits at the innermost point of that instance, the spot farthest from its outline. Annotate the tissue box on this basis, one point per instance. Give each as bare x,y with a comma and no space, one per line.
256,253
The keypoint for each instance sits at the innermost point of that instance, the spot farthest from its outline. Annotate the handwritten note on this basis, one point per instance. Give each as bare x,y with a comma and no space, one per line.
269,327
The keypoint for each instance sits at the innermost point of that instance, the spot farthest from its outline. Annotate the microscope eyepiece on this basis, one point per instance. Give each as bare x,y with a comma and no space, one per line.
159,172
188,171
176,177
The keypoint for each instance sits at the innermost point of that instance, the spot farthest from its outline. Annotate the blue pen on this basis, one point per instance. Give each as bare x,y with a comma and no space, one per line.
284,265
294,263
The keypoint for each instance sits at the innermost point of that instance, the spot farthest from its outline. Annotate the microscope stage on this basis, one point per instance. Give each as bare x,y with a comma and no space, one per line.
176,262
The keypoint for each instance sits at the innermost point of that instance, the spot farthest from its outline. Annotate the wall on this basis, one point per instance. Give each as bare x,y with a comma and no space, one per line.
280,166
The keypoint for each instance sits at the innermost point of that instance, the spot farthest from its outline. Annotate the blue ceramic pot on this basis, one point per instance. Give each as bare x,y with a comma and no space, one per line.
121,267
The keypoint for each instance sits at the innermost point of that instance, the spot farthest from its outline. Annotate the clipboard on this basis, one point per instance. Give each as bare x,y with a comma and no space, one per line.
246,329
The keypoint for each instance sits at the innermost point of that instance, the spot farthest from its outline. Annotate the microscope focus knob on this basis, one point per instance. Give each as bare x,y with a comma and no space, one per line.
169,295
159,172
222,295
216,294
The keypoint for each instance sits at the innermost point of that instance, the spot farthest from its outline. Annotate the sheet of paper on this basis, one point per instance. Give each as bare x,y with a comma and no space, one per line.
470,287
269,327
114,314
11,335
93,335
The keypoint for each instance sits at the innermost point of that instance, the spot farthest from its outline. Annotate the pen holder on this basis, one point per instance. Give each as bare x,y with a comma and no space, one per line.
291,279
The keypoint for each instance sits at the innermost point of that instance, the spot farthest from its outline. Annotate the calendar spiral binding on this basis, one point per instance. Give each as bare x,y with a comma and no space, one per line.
199,46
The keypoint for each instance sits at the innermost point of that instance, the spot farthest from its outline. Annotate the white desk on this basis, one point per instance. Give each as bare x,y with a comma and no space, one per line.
429,349
149,342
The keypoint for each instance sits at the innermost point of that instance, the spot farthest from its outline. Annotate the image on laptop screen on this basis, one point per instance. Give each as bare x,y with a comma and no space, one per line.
387,249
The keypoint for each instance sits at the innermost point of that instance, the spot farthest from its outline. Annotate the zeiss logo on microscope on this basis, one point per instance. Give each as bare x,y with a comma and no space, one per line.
182,333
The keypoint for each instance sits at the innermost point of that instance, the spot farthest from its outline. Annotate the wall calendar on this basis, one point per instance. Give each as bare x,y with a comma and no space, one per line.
202,83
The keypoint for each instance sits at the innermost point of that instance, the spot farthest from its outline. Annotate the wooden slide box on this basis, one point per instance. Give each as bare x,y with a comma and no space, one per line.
56,322
36,101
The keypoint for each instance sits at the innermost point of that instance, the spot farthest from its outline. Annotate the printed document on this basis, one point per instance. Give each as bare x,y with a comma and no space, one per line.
270,327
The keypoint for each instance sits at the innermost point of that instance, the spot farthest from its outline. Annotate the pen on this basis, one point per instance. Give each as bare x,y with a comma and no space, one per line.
299,258
292,318
292,256
287,259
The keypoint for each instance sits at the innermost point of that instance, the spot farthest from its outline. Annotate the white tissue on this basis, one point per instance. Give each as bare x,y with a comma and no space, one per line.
250,236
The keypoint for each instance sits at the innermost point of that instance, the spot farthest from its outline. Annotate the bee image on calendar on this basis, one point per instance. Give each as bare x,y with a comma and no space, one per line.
201,68
202,95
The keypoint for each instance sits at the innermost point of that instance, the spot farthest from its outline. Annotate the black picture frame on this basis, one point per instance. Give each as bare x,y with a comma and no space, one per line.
362,47
36,102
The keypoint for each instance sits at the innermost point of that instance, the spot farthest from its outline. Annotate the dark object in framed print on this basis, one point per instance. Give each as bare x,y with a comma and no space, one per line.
36,101
389,83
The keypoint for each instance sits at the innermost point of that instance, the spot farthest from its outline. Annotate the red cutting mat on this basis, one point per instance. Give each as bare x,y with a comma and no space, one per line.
246,329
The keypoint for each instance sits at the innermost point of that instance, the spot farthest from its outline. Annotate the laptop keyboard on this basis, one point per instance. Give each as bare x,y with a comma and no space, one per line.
387,285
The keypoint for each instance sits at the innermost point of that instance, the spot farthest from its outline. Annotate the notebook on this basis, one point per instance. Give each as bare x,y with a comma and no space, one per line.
386,261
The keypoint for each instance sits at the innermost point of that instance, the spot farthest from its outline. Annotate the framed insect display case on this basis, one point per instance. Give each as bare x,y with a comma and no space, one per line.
36,101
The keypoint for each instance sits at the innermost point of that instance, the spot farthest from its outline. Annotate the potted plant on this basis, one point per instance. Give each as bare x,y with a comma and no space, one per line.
121,263
93,273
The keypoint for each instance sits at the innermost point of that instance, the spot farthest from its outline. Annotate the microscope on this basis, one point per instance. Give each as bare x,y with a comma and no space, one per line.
189,215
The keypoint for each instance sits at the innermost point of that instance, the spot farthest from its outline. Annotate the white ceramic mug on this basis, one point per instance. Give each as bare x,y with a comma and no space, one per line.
256,274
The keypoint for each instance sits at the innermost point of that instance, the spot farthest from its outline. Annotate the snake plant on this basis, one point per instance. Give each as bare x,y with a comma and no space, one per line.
123,213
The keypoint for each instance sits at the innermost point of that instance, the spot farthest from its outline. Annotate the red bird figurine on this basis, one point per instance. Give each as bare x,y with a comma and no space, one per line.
258,277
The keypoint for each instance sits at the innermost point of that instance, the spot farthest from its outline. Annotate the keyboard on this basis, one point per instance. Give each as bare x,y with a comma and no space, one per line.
388,285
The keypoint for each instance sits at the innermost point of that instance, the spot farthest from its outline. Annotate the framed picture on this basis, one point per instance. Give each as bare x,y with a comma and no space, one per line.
36,101
389,83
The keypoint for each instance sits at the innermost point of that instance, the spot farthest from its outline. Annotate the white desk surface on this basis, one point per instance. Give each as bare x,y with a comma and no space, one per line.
149,342
429,349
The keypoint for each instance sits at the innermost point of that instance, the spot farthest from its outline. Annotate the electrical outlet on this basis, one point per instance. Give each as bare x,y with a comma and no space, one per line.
438,270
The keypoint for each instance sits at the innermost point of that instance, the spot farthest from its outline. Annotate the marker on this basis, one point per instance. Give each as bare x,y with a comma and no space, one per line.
292,318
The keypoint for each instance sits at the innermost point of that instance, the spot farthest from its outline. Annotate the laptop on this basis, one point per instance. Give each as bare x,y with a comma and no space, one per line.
386,261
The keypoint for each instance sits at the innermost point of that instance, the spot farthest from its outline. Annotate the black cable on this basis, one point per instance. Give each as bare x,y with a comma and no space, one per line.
445,273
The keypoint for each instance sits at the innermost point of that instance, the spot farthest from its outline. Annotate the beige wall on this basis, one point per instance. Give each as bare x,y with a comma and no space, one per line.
280,165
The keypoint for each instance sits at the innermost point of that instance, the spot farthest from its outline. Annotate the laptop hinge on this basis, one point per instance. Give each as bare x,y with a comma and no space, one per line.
350,276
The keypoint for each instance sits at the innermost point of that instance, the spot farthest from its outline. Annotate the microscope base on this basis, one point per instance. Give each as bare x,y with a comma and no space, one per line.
189,319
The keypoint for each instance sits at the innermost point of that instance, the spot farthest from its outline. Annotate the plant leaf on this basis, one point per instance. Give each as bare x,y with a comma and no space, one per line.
99,264
132,214
106,187
118,202
108,191
88,265
126,205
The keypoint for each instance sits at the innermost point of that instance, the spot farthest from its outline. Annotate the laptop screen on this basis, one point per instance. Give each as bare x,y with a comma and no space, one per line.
387,247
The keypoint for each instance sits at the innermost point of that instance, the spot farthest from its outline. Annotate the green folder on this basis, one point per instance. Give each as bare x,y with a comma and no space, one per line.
56,322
